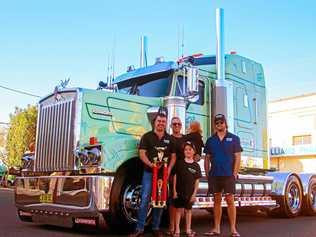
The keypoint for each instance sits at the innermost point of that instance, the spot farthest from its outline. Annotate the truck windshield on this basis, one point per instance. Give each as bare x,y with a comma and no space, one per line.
146,86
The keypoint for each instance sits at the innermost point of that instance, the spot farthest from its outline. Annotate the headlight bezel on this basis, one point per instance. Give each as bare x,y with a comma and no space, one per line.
89,156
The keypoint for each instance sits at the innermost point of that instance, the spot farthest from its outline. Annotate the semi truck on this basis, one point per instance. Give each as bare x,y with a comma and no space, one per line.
87,170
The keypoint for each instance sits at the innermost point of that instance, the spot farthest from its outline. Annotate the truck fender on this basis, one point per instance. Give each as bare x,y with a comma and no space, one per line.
309,195
118,151
287,190
305,179
279,182
125,189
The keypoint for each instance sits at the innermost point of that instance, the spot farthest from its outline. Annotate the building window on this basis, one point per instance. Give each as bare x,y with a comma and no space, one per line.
302,140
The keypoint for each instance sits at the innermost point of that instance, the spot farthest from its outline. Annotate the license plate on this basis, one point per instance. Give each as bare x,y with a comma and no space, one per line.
46,198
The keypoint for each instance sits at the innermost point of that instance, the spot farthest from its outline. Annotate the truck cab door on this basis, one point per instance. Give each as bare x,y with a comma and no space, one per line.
198,110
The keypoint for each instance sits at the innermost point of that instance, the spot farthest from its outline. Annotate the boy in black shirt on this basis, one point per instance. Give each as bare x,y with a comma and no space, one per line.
185,186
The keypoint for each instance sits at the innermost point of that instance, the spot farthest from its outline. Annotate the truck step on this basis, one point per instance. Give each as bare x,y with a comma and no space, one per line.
208,202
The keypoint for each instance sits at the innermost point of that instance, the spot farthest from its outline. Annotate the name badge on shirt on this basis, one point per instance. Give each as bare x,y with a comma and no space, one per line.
229,139
166,141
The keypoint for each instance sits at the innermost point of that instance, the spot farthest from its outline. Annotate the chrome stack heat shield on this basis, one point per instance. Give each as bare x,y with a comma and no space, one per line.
176,108
223,88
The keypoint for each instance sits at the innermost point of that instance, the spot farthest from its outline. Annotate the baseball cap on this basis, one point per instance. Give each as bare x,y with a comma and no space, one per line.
219,117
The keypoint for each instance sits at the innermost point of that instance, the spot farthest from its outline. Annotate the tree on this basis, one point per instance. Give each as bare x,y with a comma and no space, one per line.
3,156
21,133
3,136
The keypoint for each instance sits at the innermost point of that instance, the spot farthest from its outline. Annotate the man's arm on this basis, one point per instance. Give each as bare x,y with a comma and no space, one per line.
237,163
207,164
172,162
144,158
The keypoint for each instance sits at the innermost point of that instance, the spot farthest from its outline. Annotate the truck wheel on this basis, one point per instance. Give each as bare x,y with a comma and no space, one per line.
291,202
125,198
310,198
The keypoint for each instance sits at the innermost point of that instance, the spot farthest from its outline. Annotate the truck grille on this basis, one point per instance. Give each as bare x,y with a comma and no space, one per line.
55,136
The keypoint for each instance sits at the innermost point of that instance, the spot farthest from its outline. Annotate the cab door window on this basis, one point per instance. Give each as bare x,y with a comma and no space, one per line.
180,90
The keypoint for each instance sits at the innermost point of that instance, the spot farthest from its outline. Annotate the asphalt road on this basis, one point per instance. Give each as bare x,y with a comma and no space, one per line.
248,225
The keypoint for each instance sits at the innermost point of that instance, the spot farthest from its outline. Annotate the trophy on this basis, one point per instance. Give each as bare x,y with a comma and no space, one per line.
159,185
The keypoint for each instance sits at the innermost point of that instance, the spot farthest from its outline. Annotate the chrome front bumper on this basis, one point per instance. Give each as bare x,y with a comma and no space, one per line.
63,195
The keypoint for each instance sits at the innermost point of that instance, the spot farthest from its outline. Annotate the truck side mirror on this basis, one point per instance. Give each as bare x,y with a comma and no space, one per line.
102,85
192,89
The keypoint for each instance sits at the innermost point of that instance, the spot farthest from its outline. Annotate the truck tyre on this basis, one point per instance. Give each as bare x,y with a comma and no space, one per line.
125,198
291,202
309,207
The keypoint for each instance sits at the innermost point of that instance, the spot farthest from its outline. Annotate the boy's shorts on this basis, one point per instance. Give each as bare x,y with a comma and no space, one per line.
181,202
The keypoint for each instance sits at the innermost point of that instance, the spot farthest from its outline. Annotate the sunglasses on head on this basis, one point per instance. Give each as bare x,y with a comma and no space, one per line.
176,124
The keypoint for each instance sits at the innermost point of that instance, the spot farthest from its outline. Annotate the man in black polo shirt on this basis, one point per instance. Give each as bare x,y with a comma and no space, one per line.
224,151
158,137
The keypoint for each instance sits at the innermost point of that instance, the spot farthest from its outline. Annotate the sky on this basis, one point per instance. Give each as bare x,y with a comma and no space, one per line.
44,42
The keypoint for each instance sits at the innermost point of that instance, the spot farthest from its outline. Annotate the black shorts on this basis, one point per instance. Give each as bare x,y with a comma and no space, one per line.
181,202
222,184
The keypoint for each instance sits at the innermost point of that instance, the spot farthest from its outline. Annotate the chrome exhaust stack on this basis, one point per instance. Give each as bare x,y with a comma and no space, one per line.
176,107
143,51
220,52
223,88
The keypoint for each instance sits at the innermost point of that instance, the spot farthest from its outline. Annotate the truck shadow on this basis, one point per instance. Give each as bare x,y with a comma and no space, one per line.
201,222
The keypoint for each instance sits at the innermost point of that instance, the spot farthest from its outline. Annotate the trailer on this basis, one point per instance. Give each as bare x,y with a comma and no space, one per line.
87,171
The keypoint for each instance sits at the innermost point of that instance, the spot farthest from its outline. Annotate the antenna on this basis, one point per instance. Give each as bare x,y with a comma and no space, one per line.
113,61
182,44
178,39
143,51
108,71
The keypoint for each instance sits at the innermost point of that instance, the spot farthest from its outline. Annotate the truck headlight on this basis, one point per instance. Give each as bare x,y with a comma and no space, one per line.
94,155
89,156
83,157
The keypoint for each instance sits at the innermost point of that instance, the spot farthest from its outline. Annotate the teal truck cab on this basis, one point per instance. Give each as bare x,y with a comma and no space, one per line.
86,168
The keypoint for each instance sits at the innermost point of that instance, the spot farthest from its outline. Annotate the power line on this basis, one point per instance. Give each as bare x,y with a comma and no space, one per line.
19,91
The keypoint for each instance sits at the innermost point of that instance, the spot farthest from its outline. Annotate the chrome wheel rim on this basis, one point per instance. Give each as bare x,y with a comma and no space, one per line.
131,202
294,198
313,195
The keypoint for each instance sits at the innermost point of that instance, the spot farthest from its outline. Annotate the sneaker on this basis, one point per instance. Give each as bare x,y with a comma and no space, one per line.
137,233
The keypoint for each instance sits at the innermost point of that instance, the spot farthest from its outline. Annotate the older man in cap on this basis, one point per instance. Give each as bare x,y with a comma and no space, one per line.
223,151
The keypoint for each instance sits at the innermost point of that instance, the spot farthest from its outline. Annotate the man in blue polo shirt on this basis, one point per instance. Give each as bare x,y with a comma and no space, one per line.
223,151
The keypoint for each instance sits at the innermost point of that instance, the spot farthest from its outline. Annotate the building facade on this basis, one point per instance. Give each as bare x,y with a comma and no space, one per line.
292,132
